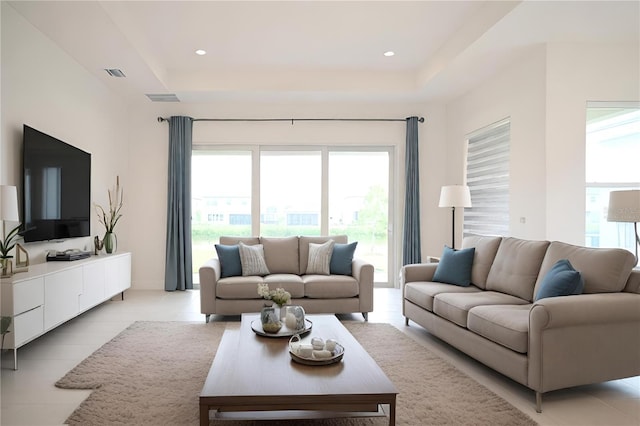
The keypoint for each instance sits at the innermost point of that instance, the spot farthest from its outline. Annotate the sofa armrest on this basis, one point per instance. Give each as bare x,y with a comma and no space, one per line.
417,272
588,338
209,276
362,271
633,283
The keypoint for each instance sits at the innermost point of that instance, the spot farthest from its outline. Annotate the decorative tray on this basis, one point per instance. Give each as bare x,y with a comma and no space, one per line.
336,354
256,326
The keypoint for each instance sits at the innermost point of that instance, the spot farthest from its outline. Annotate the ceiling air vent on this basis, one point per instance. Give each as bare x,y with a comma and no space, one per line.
163,97
114,72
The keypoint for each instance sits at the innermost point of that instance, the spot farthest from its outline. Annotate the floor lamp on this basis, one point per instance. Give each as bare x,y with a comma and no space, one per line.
624,206
454,196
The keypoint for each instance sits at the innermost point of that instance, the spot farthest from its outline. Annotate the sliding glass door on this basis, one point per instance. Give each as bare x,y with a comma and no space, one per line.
294,191
221,199
359,204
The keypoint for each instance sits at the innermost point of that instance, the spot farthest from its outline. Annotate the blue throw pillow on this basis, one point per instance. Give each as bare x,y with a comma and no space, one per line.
341,258
455,266
561,280
229,257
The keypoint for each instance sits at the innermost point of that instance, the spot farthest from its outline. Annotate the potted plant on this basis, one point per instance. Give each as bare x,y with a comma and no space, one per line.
6,245
110,219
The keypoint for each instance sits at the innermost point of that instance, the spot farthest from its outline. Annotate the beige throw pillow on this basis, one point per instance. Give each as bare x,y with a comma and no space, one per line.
320,258
252,260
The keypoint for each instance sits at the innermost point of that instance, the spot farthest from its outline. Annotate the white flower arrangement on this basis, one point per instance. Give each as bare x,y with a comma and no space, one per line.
279,295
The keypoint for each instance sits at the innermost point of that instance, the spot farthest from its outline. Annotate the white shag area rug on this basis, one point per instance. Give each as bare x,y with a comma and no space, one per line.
152,374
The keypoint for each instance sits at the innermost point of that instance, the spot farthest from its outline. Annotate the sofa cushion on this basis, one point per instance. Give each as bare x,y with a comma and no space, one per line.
516,266
486,249
561,280
238,287
290,282
252,259
247,287
320,258
304,247
456,306
330,286
281,255
604,270
341,258
229,257
455,267
421,293
507,325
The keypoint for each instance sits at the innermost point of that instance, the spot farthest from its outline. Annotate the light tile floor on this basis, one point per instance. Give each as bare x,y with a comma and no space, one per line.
29,396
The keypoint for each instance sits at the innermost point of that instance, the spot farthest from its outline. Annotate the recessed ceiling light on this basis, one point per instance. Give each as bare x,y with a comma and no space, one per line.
201,52
389,53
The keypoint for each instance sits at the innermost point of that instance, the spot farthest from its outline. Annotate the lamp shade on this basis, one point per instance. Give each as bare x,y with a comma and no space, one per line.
9,203
455,196
624,206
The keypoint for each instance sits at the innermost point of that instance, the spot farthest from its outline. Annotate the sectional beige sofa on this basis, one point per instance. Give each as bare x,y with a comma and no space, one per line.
349,290
546,344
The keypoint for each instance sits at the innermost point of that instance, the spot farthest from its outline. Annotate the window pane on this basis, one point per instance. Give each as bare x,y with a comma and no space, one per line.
359,204
612,152
290,193
221,200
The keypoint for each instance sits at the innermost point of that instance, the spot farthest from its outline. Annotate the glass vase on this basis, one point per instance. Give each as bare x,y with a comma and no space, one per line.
6,267
270,318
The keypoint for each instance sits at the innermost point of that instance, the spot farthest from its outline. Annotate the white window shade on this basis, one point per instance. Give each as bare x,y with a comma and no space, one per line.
488,180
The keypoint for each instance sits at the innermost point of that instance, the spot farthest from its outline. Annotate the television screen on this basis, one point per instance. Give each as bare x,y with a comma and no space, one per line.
57,188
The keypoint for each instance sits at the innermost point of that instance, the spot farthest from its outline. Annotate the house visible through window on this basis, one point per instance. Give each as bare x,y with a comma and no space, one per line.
612,156
488,180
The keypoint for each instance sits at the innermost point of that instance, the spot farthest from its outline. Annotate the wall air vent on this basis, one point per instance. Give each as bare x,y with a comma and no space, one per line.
114,72
163,97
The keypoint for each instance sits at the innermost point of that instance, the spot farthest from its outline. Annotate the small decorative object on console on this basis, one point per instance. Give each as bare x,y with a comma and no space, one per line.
22,259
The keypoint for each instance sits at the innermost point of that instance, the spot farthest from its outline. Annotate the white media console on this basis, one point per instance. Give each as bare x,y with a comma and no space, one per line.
51,293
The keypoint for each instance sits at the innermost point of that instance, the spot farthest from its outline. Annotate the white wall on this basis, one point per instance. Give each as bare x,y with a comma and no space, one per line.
149,146
545,94
46,89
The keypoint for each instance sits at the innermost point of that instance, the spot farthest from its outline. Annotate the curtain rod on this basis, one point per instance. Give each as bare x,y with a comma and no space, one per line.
292,120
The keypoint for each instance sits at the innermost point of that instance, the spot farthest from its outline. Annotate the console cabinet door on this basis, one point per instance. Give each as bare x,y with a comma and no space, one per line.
118,273
93,285
61,293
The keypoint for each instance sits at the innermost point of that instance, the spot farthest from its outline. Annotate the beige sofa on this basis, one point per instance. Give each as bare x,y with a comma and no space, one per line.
286,259
548,344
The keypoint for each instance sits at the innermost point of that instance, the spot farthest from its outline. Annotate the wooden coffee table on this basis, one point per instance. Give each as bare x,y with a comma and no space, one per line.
253,376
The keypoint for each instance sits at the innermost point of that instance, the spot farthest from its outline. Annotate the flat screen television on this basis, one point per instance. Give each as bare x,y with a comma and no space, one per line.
57,188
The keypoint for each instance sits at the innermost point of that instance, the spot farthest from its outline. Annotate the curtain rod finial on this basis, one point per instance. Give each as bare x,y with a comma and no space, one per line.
421,119
160,119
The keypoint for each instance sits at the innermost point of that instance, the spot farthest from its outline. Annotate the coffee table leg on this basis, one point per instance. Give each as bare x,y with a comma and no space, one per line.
392,413
204,415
